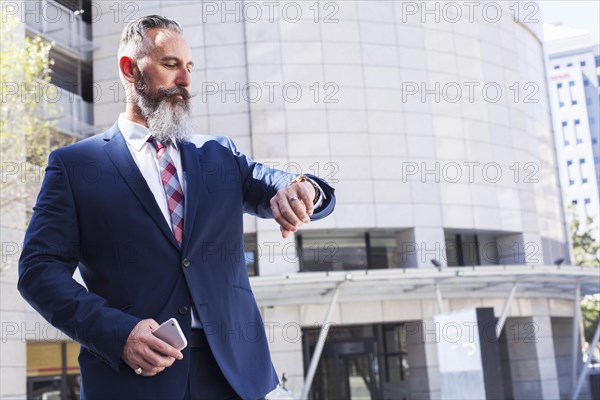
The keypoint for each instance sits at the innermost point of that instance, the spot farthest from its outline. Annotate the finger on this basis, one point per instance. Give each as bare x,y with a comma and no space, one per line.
152,325
284,223
151,371
284,233
147,367
305,195
156,360
286,210
162,348
299,207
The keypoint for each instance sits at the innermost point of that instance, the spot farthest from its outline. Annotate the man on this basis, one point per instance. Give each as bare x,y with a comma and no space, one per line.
153,219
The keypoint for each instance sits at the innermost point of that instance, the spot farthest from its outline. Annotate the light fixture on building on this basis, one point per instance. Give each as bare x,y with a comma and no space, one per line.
559,261
436,263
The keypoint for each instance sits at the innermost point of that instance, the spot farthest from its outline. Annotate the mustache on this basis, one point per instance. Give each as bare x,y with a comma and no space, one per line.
174,91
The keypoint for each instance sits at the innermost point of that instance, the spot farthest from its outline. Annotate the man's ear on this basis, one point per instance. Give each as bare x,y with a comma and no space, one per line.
127,67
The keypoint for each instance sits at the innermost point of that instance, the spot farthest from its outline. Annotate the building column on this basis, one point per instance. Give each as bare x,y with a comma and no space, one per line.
284,333
562,331
418,246
424,380
276,256
529,365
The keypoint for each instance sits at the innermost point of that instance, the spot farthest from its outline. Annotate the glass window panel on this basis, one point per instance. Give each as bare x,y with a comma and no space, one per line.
333,253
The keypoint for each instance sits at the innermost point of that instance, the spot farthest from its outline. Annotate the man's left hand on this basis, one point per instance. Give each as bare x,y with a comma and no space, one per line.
293,206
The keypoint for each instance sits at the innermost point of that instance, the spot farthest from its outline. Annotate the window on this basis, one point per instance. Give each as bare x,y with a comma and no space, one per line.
46,362
573,102
584,179
588,101
569,64
586,82
577,128
574,202
368,360
582,63
72,75
556,66
594,140
462,249
591,120
347,251
597,59
561,104
559,85
564,132
570,172
588,208
571,83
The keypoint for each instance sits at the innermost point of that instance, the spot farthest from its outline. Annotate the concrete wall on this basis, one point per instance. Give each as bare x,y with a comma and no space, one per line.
529,356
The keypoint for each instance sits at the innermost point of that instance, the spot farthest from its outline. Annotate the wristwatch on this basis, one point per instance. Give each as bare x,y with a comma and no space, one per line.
302,178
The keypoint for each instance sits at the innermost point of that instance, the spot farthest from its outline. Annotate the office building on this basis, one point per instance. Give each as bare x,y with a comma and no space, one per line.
573,70
433,123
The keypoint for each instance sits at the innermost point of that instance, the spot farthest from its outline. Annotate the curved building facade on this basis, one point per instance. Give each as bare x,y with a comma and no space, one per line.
431,120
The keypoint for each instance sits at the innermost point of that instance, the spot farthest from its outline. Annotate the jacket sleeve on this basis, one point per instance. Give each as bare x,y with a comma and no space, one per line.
261,182
49,258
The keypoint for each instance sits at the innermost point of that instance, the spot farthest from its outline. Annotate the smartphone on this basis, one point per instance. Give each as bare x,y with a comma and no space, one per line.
171,332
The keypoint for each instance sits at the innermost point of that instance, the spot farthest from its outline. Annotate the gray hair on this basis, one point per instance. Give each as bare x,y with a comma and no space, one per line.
133,38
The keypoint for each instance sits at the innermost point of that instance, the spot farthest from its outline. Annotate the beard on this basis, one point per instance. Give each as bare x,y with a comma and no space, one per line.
168,117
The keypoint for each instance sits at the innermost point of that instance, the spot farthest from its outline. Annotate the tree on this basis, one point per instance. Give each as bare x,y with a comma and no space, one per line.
27,113
27,120
590,313
584,237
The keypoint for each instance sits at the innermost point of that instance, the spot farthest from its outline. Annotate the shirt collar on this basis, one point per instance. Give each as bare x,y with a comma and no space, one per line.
135,135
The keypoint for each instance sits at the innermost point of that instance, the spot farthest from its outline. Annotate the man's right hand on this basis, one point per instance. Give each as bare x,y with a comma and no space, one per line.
146,351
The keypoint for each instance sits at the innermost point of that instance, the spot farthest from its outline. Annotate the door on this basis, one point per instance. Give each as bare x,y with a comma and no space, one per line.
348,370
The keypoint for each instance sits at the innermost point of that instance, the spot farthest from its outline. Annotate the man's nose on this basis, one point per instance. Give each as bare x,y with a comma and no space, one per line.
184,78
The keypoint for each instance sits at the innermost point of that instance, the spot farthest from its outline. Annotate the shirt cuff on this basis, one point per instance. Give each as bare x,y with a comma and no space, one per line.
322,197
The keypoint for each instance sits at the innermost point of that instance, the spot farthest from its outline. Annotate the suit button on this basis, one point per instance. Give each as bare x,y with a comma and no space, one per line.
186,263
183,310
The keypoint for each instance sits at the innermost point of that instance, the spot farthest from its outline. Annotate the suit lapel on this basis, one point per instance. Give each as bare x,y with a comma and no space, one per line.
117,151
193,185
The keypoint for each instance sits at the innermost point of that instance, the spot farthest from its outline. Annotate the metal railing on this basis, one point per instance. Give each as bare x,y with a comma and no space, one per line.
59,24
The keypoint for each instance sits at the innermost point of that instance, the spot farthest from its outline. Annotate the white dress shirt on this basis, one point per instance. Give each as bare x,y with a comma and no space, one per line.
144,154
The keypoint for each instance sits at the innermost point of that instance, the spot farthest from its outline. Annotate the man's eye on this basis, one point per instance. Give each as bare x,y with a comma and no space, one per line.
170,65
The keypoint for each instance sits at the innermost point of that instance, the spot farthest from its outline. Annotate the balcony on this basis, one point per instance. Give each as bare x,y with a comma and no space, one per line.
65,27
73,115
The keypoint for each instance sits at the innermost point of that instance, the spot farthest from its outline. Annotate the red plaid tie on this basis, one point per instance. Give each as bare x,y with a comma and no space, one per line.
173,189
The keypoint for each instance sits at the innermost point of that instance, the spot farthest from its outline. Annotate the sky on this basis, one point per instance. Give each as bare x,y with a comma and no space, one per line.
584,14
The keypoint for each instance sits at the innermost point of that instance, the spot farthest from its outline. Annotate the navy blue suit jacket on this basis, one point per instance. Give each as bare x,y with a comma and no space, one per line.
96,212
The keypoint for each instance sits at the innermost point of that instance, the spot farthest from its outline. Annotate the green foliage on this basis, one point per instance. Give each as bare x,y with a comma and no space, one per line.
585,243
27,121
590,312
